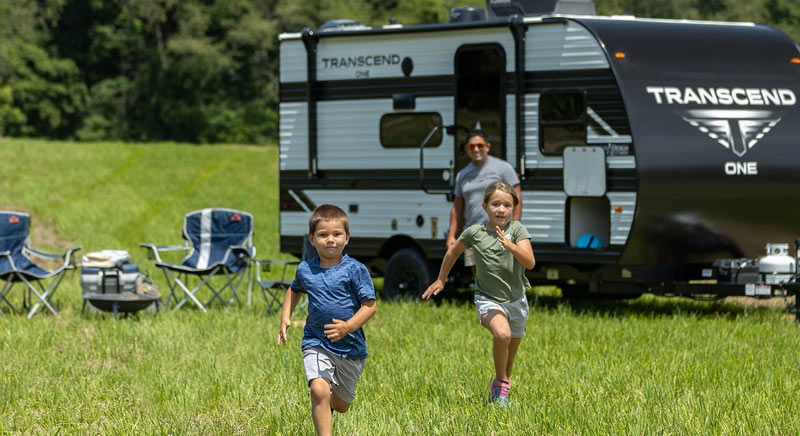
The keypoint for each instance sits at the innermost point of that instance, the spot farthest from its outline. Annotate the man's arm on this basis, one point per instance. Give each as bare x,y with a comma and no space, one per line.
339,329
456,220
518,210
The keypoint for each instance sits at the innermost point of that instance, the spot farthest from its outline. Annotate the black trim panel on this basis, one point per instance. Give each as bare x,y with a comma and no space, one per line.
364,179
623,180
367,249
356,89
681,170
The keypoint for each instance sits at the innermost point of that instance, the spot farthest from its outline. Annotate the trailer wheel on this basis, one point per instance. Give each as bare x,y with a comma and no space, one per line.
407,275
576,292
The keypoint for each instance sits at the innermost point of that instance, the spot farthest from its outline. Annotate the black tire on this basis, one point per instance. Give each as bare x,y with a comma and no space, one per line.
407,275
576,292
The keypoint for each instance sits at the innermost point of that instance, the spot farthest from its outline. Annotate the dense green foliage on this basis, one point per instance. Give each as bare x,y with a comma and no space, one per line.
205,71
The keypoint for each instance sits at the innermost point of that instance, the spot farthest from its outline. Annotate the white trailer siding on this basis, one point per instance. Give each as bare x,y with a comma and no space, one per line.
543,215
430,58
562,46
621,221
348,129
293,61
349,136
377,210
293,136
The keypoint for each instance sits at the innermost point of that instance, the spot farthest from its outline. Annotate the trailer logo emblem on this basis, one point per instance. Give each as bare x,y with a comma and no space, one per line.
736,130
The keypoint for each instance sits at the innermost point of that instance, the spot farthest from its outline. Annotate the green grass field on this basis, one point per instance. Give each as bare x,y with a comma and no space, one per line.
651,366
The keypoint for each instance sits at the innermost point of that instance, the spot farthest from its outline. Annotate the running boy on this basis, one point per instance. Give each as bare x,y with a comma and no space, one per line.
503,252
341,299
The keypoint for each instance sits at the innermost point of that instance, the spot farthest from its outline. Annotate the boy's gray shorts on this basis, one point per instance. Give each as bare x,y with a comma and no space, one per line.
515,311
342,373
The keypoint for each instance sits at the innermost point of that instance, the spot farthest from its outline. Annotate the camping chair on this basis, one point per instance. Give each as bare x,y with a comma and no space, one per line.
273,291
218,242
17,265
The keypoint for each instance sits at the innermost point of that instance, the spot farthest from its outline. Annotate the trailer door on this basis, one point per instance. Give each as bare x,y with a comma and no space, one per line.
480,97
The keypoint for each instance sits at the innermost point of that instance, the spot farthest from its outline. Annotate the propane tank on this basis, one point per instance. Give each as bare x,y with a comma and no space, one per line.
777,266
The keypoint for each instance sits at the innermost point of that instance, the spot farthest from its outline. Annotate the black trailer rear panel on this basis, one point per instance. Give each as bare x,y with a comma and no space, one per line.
714,117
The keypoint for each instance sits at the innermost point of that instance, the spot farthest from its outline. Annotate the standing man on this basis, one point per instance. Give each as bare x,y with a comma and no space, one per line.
471,182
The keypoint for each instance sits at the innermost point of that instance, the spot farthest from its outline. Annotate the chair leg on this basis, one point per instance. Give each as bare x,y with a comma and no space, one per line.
228,283
215,293
7,285
171,285
264,293
273,297
45,296
180,281
188,294
235,289
249,283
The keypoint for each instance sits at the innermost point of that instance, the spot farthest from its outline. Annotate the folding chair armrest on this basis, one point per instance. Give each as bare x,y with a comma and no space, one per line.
43,254
67,255
265,266
265,263
5,253
156,249
281,262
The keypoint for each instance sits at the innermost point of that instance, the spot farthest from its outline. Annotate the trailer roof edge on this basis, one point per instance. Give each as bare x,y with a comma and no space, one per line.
638,19
399,28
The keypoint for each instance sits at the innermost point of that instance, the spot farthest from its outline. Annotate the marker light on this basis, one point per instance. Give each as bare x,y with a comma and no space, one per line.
619,55
618,209
796,60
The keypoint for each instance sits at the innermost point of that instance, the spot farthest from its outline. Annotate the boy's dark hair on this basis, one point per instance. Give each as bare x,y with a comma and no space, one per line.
328,212
478,132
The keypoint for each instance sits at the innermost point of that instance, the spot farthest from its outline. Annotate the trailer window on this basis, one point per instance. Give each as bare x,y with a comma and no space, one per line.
562,120
408,130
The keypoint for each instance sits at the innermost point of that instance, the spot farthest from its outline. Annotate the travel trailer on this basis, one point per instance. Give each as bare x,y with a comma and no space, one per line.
655,155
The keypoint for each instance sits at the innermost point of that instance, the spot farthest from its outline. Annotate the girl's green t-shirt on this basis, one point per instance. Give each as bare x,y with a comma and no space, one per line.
498,275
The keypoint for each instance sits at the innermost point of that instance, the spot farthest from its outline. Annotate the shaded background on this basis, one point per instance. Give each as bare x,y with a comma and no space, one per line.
206,71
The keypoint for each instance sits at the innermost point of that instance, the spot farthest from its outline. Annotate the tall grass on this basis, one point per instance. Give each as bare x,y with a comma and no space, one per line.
642,367
655,368
115,195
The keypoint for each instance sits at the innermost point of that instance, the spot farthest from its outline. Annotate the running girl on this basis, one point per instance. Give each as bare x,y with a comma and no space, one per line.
502,254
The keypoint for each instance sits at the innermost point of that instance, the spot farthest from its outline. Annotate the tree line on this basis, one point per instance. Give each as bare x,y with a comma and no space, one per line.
206,71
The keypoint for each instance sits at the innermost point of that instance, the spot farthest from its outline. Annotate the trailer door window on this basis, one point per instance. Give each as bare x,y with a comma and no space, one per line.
562,120
480,96
408,130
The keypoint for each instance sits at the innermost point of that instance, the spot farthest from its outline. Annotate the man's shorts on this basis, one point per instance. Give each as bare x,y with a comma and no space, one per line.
516,312
469,257
342,373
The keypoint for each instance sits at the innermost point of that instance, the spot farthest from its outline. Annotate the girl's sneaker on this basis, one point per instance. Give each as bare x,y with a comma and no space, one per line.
498,392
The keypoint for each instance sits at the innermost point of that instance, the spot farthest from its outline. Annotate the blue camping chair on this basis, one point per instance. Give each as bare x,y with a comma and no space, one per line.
16,265
218,242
